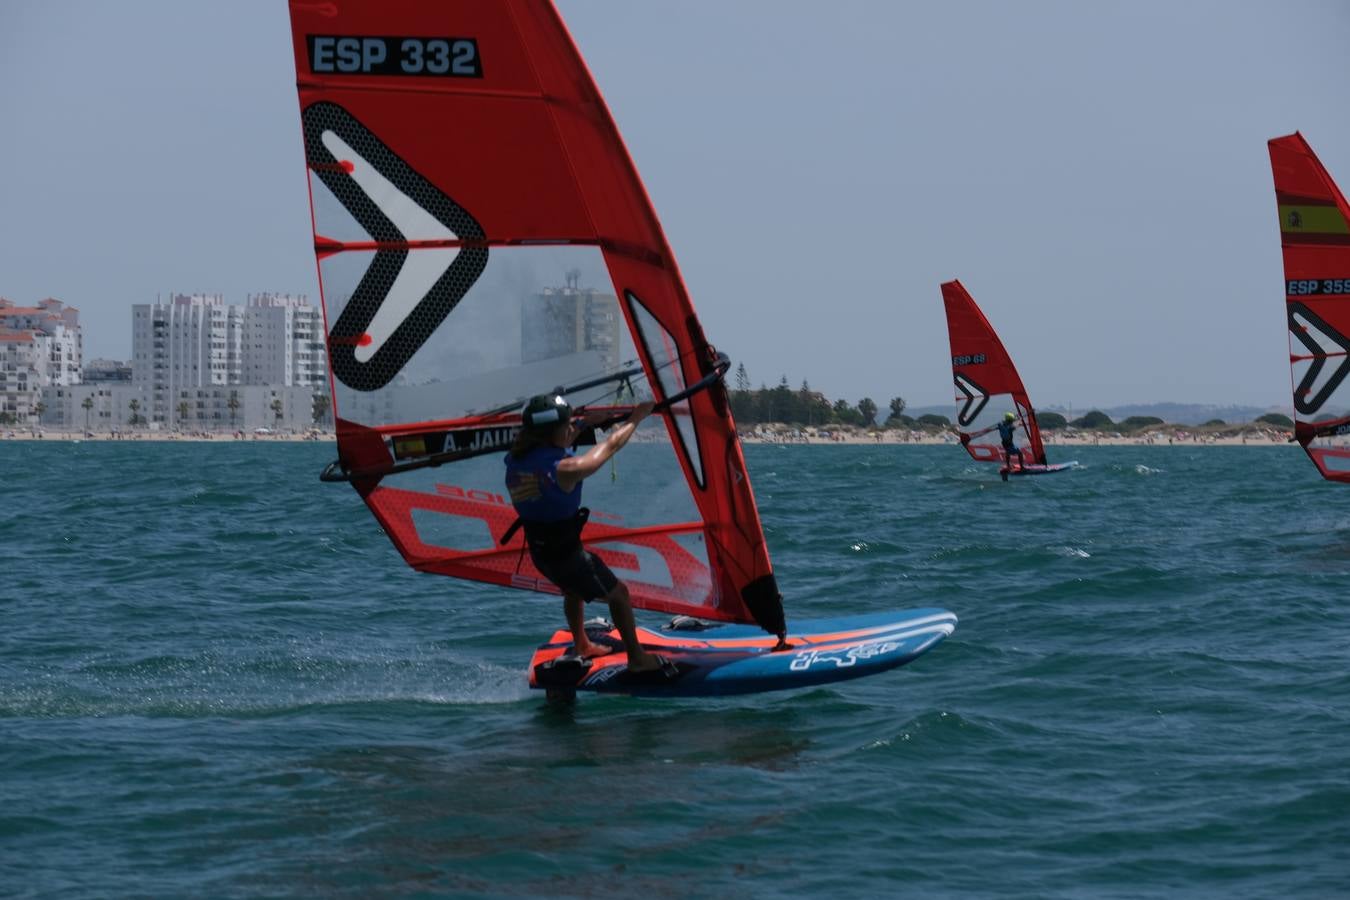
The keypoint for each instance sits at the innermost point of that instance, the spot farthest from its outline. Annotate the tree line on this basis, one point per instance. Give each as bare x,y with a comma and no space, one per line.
1096,420
806,407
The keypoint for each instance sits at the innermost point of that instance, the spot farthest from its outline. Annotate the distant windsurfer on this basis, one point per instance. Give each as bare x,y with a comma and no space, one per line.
544,479
1007,428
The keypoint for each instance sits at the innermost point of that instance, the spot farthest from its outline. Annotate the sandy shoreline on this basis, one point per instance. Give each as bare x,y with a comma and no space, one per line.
1173,436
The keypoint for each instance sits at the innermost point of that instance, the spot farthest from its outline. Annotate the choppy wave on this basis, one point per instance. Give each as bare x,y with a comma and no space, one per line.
217,677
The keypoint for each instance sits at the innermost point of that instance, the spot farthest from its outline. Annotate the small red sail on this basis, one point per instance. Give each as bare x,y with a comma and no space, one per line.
482,235
1315,238
987,383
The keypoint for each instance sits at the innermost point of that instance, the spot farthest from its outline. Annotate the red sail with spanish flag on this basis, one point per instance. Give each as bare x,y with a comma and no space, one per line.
987,384
482,236
1315,238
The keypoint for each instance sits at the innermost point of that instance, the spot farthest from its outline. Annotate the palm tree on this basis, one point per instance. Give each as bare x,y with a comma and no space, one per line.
897,410
88,404
233,404
277,411
869,411
39,408
135,407
182,412
320,407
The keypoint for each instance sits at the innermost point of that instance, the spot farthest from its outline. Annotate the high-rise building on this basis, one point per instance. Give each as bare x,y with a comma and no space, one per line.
190,342
39,346
560,321
283,341
198,341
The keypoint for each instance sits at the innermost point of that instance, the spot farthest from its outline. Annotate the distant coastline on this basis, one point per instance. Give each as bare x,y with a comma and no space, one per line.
1179,435
1165,435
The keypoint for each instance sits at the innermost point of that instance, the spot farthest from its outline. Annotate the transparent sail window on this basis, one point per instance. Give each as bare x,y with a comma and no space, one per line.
666,370
536,318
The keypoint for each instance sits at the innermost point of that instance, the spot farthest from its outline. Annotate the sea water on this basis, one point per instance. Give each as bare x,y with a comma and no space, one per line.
217,678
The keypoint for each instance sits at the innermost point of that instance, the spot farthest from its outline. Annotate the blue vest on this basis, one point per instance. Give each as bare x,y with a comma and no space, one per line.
533,483
1005,431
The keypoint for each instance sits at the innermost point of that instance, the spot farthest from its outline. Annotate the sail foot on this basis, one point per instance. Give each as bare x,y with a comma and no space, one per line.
761,597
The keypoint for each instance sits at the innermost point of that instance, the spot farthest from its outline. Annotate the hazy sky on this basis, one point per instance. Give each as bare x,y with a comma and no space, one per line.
1095,173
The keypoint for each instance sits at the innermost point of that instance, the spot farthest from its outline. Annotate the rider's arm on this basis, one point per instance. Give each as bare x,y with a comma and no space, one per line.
575,468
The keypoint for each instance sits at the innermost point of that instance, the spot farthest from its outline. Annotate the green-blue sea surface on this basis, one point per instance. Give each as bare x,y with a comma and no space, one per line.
217,678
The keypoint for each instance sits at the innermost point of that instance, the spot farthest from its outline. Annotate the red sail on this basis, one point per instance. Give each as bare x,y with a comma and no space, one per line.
1315,237
987,383
483,235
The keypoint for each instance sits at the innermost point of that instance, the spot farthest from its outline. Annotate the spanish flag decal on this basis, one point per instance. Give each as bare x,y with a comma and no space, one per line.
1306,218
413,445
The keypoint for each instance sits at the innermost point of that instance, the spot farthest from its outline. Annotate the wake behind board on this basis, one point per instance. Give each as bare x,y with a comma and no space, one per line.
712,659
1036,469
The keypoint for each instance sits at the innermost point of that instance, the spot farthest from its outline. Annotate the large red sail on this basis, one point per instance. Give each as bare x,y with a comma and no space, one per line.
987,383
482,235
1315,238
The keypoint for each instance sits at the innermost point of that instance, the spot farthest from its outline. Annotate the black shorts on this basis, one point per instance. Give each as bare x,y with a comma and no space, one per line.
580,572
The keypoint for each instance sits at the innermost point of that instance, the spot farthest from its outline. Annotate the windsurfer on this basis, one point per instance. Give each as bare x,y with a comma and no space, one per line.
1007,428
544,479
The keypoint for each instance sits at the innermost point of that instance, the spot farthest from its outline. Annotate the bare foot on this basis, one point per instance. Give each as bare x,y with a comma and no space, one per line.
644,662
593,650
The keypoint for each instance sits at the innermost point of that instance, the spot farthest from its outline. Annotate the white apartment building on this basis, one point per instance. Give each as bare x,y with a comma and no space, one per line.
245,407
39,346
561,321
109,406
61,324
190,342
24,357
185,350
212,408
283,341
108,389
